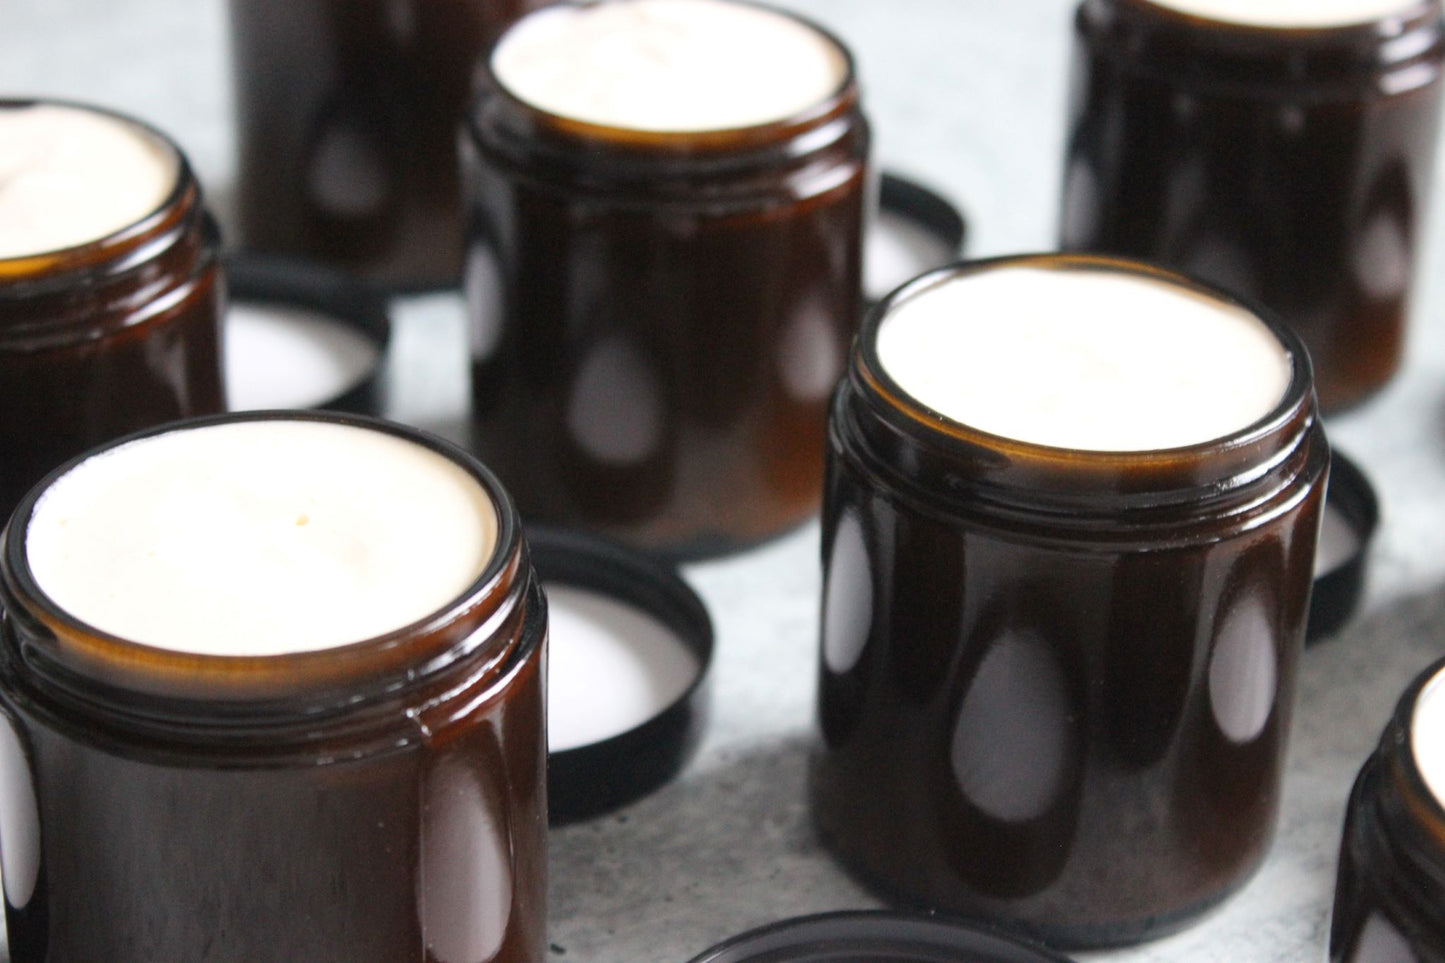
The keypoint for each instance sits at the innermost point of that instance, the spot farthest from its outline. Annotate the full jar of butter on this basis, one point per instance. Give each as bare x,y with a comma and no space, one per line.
110,289
1068,533
1284,150
663,275
1390,896
272,689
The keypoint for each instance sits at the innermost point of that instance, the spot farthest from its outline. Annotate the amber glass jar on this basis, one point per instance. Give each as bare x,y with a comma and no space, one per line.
1390,897
1056,684
1291,166
382,800
108,337
346,115
658,317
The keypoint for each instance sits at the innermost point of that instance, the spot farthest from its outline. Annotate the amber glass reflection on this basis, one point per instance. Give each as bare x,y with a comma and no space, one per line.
658,319
381,801
1055,686
1390,896
108,338
1289,166
347,113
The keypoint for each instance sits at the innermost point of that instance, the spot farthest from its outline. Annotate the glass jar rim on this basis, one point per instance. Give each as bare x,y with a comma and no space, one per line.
689,142
113,252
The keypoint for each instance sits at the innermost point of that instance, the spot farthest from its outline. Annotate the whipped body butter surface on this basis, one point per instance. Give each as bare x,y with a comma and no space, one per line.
273,684
1068,539
110,291
667,201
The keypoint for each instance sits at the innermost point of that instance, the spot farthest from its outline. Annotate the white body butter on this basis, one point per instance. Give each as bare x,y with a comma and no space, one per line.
1292,13
668,65
260,538
70,176
1084,359
1427,740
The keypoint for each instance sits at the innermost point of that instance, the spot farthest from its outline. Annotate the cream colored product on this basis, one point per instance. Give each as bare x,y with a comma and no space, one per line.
1288,14
1428,736
668,65
260,538
70,176
1086,359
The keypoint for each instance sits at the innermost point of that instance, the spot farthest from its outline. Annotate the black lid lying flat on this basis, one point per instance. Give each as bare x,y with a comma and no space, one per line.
1352,513
916,230
604,755
874,937
299,335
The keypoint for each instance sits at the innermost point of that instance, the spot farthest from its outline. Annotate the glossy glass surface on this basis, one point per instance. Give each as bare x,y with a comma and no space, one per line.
108,338
1289,166
1055,686
658,318
1390,894
346,116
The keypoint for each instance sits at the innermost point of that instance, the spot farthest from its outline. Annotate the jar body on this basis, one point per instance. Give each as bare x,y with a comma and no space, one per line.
1292,167
346,116
384,803
1391,886
110,338
1055,691
657,324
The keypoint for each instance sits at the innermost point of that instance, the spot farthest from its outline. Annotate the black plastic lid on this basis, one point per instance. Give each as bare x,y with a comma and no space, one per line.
592,778
929,231
875,937
337,297
1352,513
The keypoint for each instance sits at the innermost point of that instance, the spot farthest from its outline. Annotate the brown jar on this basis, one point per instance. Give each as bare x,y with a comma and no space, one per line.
658,317
1289,165
1056,683
111,336
1390,897
379,800
346,116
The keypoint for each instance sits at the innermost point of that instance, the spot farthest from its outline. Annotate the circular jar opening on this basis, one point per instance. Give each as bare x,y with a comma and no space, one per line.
1292,14
669,66
1427,735
71,175
261,537
1079,355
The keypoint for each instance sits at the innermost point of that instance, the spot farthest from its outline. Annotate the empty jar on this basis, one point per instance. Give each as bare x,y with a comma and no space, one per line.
1284,151
1068,535
666,200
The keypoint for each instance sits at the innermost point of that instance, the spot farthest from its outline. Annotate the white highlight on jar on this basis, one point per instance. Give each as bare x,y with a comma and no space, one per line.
1083,358
71,176
1293,13
610,667
1427,735
260,538
668,65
